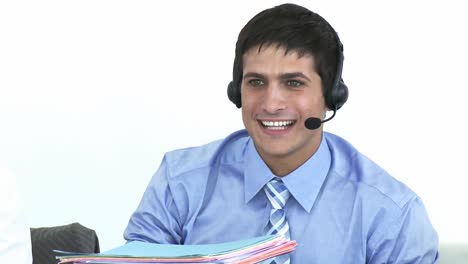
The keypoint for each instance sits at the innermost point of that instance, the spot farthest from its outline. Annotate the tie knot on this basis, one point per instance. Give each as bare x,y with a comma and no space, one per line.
277,193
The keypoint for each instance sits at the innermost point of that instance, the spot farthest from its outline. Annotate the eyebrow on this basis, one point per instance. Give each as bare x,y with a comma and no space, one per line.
284,76
253,75
293,75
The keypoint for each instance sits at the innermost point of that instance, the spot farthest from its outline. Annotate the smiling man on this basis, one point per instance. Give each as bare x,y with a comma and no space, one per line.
284,174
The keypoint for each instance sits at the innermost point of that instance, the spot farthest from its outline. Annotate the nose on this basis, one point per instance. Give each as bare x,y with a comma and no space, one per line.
274,99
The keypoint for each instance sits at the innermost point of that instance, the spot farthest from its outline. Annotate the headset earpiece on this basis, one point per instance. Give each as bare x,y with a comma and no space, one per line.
337,94
234,94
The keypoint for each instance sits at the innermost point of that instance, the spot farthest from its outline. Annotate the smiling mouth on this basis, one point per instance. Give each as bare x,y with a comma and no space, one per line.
277,125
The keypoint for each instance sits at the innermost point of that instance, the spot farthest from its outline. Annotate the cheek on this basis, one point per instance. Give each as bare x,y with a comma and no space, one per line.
247,117
248,101
248,109
315,106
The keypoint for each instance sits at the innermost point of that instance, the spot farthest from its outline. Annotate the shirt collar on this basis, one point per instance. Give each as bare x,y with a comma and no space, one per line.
304,183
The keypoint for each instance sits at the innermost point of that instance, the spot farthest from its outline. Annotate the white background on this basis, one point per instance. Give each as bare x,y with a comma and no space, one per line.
92,93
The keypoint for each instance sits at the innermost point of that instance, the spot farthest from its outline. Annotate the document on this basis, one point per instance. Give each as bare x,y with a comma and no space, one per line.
252,250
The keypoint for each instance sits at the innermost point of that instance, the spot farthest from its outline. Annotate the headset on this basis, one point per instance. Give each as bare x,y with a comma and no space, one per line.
335,96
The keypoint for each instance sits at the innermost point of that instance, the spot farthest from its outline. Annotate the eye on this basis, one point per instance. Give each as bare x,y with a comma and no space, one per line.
293,83
256,82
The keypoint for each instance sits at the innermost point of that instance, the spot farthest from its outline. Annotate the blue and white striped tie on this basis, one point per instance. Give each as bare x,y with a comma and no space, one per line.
278,195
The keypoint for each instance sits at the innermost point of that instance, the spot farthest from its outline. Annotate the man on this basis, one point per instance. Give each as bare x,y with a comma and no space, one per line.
15,236
283,174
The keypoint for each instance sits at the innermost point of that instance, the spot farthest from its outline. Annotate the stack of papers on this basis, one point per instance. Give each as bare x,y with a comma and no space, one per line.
243,251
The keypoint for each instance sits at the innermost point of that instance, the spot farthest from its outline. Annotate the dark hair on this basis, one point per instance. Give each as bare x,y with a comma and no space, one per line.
294,28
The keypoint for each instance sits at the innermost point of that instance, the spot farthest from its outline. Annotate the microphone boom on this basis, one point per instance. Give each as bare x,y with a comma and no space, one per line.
315,122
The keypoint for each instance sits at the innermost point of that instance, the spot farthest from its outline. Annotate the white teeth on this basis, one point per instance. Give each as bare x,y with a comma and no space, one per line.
277,124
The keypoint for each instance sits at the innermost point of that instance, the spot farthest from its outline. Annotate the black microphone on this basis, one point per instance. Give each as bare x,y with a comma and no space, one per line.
315,122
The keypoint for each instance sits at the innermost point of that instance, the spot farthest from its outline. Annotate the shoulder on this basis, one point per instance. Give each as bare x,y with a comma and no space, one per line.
368,177
227,150
389,207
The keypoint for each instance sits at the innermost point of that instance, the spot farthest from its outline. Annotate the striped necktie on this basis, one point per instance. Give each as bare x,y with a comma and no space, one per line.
278,195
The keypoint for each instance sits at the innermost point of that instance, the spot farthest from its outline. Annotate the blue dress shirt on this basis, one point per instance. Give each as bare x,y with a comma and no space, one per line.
343,207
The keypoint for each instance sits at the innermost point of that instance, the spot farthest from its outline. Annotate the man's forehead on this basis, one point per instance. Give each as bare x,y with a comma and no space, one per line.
276,47
260,58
